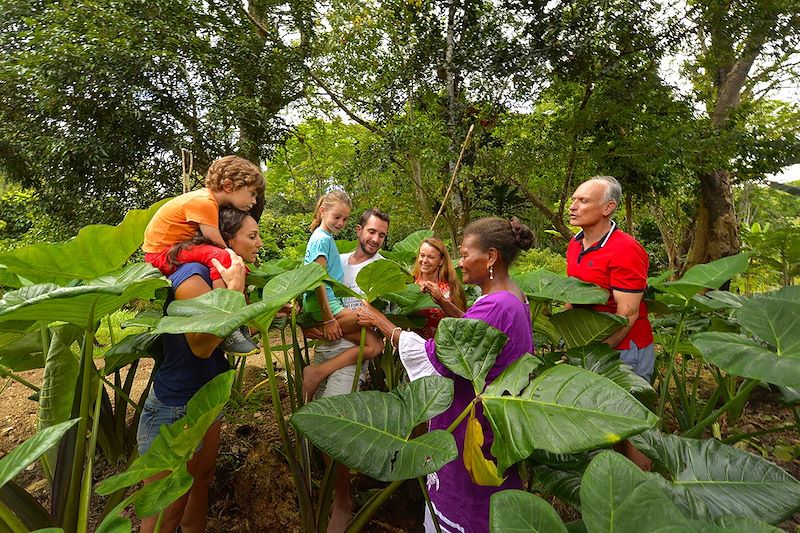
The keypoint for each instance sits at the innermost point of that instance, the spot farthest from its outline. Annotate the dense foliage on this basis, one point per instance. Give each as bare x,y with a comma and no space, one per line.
56,298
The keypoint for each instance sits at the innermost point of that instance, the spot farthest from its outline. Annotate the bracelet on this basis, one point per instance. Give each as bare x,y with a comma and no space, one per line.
332,320
391,337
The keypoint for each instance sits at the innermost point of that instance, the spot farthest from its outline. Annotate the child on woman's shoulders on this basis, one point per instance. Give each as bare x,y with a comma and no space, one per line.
230,181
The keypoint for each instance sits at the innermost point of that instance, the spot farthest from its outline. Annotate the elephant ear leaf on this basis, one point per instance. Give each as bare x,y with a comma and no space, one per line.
96,250
589,411
706,276
728,481
519,510
20,457
370,430
382,277
543,285
580,327
107,293
469,347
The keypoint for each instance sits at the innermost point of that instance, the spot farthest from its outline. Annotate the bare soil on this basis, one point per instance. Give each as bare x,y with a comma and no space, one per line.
254,490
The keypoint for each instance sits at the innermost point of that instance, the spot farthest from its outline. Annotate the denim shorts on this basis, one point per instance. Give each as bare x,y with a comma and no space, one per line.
154,414
642,360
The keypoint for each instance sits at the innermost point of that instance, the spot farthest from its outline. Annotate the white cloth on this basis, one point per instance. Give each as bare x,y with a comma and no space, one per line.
349,277
414,356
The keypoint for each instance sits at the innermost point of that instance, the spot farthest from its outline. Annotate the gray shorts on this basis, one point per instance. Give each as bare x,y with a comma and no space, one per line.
642,360
341,381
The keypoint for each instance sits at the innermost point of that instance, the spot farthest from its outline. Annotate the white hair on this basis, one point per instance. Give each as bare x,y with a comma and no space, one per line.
613,190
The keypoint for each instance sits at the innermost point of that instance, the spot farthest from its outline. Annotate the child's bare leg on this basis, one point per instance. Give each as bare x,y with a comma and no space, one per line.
218,284
314,374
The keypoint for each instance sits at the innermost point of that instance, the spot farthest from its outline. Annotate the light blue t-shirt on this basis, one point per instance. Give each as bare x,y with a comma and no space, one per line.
321,244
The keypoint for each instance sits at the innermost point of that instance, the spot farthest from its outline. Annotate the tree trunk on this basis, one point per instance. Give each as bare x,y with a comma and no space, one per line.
629,228
716,232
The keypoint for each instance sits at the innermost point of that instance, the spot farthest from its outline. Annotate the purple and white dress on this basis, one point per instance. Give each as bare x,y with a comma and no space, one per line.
461,505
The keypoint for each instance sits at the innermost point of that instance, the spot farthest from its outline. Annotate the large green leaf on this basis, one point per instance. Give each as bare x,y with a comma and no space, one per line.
775,318
177,442
48,302
23,352
543,285
20,457
221,311
95,251
412,242
469,347
411,299
130,349
564,410
369,431
727,480
618,497
742,356
60,376
580,327
604,360
382,277
515,377
513,511
564,484
708,276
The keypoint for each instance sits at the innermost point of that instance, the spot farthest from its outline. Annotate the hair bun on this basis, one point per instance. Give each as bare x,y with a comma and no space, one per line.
522,234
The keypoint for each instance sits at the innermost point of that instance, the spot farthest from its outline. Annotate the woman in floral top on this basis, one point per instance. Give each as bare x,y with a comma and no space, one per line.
434,273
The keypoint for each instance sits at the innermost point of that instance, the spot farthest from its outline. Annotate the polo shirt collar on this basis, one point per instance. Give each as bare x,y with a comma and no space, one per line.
603,240
596,246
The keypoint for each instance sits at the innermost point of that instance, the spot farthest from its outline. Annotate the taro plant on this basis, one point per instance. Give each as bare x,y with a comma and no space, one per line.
53,326
615,495
766,350
687,308
170,452
563,410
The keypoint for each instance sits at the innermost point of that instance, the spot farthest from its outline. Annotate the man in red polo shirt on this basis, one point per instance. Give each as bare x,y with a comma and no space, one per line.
605,255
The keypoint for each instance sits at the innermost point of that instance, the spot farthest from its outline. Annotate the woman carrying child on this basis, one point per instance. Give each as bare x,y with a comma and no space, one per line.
230,181
190,361
325,308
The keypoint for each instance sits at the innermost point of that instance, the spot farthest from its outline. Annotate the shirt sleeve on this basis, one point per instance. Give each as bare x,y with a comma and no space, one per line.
414,356
628,272
317,247
202,211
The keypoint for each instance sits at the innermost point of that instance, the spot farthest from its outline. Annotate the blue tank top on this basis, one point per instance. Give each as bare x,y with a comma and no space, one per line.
181,373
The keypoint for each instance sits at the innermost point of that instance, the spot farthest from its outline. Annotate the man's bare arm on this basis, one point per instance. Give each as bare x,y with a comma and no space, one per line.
627,307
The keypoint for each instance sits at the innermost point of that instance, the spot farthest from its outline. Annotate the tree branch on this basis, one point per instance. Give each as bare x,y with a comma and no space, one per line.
343,107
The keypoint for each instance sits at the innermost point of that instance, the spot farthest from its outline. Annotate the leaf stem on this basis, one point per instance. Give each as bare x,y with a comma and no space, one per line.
670,368
9,374
749,385
303,494
360,360
9,519
86,486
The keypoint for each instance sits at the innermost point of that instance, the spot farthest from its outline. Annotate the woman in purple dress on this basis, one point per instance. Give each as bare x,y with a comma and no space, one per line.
490,246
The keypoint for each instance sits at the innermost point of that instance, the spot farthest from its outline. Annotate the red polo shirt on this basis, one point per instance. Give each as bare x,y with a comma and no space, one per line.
617,263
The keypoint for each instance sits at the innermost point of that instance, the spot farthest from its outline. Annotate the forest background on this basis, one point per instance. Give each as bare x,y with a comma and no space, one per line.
109,105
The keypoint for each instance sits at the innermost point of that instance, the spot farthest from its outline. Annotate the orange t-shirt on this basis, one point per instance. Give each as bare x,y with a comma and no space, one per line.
179,219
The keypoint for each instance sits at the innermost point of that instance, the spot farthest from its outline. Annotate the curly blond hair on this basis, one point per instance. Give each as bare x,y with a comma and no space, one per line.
238,170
